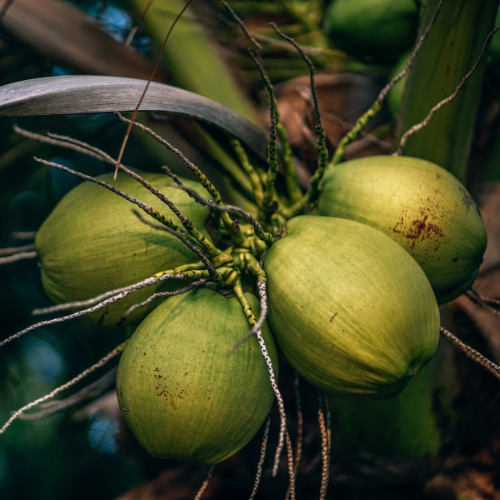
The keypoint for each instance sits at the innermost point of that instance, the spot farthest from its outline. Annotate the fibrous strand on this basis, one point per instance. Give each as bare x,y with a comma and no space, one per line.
261,458
88,371
17,256
473,354
132,288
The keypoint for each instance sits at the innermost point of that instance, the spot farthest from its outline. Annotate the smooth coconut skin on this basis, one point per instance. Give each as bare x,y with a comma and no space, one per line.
187,396
92,242
419,205
353,313
376,28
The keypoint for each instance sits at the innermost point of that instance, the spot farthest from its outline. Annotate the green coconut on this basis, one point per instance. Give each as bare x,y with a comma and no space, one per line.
92,243
182,391
353,313
376,28
420,206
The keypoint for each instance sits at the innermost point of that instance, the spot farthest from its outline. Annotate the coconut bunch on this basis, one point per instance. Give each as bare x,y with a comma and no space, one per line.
345,278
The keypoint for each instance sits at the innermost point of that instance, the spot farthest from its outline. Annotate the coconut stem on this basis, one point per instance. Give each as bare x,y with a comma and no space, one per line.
82,147
291,178
211,270
325,448
17,256
249,170
313,191
115,352
483,302
263,447
238,291
236,235
353,134
204,484
132,288
254,267
146,208
300,428
272,149
24,235
14,250
94,300
158,295
90,391
210,249
487,300
56,142
473,354
266,237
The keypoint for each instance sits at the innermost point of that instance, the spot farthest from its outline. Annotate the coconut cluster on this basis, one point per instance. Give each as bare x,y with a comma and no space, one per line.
352,296
346,278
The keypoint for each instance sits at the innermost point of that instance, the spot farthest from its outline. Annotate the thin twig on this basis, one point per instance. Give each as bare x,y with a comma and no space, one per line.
88,371
261,458
291,465
24,235
202,178
283,432
272,151
383,93
279,401
146,208
478,300
88,392
210,268
84,148
419,126
488,300
137,23
181,291
328,425
132,288
129,129
300,427
17,256
161,196
324,445
313,191
63,143
263,315
268,238
473,354
14,250
205,484
243,28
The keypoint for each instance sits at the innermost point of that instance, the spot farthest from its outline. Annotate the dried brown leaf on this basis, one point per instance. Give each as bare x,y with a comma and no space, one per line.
65,34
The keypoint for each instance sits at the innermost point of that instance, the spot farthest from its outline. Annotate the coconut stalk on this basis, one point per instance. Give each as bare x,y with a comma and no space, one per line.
459,33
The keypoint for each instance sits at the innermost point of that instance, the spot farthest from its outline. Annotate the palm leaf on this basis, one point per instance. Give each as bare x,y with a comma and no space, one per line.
61,95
